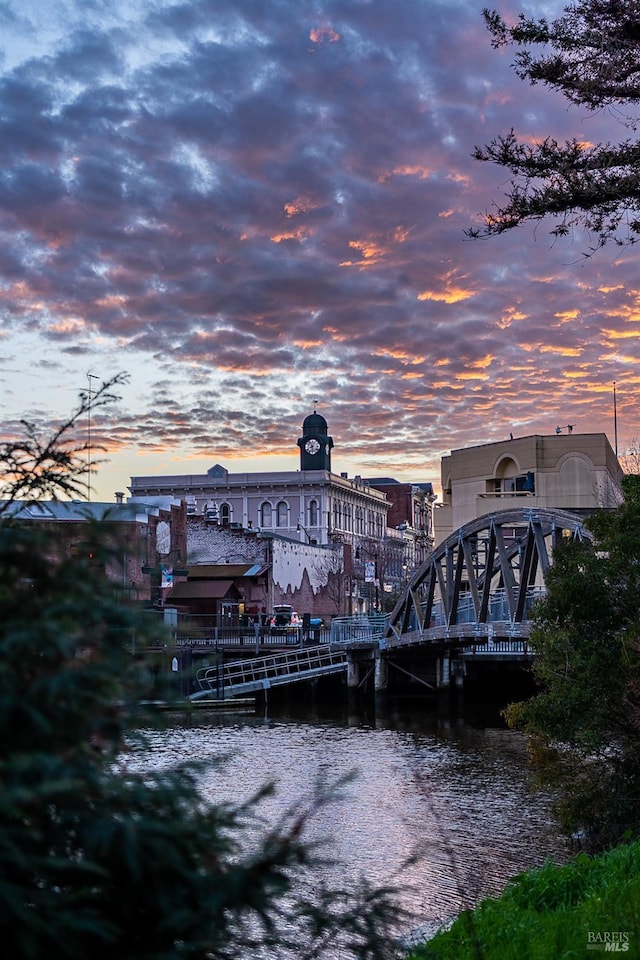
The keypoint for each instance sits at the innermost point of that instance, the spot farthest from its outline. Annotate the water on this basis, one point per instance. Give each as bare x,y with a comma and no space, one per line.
458,797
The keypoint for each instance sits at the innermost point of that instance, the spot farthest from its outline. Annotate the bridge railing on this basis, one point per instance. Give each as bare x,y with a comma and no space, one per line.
287,663
498,609
359,629
501,646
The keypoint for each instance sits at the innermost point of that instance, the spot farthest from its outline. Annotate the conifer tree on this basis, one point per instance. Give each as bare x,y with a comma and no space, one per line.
98,859
591,55
584,724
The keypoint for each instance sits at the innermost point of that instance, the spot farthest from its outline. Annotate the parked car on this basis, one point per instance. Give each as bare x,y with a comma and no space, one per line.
285,621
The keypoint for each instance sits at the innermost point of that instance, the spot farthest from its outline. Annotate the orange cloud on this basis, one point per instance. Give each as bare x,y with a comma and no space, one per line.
402,355
621,334
562,351
372,252
406,170
452,290
300,205
483,362
449,295
323,35
68,325
302,233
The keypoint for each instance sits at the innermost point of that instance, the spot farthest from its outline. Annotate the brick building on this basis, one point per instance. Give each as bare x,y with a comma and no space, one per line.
148,540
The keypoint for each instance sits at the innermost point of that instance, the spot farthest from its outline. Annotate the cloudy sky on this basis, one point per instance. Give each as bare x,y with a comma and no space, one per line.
254,205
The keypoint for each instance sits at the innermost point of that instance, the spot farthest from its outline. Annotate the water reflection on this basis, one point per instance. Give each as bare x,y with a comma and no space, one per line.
459,797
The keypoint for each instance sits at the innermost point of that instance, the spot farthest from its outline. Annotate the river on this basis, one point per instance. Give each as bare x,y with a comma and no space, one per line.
458,796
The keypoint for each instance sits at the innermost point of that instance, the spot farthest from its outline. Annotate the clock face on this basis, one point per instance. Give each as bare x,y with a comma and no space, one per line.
312,446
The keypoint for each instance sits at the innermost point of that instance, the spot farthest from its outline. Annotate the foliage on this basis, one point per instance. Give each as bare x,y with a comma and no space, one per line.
101,859
584,722
549,913
34,466
591,55
629,458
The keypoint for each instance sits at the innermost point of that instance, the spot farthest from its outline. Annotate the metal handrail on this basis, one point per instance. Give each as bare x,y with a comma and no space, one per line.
266,669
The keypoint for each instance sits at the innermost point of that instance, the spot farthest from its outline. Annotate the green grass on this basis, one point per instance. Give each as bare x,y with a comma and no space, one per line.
548,913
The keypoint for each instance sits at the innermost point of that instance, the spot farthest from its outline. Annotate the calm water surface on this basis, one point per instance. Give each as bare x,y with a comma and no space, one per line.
458,796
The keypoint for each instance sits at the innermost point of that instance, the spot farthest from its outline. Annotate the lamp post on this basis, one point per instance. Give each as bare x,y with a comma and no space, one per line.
310,539
371,574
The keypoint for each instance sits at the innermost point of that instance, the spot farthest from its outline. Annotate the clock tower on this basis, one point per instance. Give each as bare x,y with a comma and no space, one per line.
315,445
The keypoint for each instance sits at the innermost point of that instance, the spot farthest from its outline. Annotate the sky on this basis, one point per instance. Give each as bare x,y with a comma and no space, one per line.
256,208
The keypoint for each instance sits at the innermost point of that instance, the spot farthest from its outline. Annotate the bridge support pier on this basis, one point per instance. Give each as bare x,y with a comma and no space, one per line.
443,671
381,673
353,672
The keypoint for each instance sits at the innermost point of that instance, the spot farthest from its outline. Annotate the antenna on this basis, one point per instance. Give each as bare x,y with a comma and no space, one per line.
615,421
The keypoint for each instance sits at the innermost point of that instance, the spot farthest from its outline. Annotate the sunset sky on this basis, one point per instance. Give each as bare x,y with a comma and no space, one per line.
251,205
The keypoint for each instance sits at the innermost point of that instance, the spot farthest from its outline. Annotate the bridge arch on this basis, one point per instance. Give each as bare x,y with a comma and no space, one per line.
486,573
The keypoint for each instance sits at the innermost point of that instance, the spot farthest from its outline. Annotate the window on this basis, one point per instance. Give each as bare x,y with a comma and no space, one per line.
347,517
370,526
225,514
313,513
282,514
265,514
524,483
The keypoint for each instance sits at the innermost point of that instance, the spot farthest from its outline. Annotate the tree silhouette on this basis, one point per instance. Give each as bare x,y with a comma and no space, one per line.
591,55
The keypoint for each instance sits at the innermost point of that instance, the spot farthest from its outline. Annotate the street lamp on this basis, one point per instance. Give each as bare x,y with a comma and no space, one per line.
310,539
371,573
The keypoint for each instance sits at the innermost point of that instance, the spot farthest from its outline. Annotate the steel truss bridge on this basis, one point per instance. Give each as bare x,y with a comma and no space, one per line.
474,594
481,582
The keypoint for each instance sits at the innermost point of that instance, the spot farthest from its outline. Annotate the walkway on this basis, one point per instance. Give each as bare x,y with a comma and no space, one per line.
242,677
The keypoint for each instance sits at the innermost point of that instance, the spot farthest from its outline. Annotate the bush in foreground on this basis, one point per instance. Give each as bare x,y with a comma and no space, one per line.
100,860
552,913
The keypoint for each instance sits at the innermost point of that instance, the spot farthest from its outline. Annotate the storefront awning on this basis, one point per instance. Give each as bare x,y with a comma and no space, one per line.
200,590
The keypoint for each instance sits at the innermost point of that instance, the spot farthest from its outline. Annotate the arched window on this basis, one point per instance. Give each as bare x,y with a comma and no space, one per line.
347,516
359,520
313,513
225,514
282,514
337,516
265,514
370,526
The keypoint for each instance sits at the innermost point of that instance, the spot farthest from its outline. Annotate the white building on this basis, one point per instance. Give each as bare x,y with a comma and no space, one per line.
312,505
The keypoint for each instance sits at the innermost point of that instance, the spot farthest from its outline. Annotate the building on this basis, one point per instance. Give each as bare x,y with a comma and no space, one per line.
574,471
411,513
317,508
312,504
149,541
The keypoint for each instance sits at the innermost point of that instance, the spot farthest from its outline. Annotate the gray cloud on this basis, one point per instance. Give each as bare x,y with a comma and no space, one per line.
267,203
